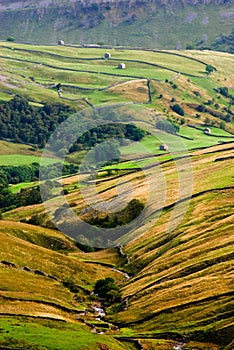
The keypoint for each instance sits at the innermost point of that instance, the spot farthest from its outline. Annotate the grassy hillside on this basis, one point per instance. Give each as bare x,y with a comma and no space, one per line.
36,304
178,293
186,272
155,79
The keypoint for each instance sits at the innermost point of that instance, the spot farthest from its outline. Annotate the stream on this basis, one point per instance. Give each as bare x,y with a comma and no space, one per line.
122,273
179,346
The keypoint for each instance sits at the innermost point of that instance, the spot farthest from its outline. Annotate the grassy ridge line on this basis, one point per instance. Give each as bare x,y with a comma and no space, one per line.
119,60
44,237
71,69
104,88
23,253
44,317
131,166
117,48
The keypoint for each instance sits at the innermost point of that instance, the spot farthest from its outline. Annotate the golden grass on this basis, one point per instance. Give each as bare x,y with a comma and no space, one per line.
23,253
192,270
41,236
16,148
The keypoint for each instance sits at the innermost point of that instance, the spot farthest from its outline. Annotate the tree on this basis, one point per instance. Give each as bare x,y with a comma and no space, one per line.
107,289
210,69
190,47
11,39
178,109
222,125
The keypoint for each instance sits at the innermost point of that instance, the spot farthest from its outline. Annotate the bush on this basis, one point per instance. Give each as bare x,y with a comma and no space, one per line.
71,285
178,109
10,39
210,68
123,217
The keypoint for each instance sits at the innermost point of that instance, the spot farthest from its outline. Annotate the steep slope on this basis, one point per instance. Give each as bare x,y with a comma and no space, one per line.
155,23
47,295
182,285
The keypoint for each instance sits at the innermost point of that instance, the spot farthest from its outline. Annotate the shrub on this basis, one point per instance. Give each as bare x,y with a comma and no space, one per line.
178,109
210,68
10,39
71,285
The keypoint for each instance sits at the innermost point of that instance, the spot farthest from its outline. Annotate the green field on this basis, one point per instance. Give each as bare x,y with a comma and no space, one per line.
18,159
86,78
28,334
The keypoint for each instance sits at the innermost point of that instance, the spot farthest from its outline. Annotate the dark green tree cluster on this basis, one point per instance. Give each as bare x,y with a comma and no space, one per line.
178,109
28,173
228,117
52,171
123,217
107,151
224,43
225,92
22,173
210,69
28,196
105,131
22,122
107,290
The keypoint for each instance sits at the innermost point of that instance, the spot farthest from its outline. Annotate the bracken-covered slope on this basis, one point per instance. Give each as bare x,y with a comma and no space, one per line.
155,23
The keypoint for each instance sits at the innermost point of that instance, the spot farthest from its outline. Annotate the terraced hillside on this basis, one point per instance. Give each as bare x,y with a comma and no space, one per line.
187,272
172,269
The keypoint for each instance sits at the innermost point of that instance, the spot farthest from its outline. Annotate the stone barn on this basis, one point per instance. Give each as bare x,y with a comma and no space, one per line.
107,56
164,147
122,66
207,131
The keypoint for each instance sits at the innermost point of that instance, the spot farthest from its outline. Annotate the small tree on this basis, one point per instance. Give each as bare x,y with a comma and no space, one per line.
178,109
11,39
190,47
107,289
222,125
210,69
